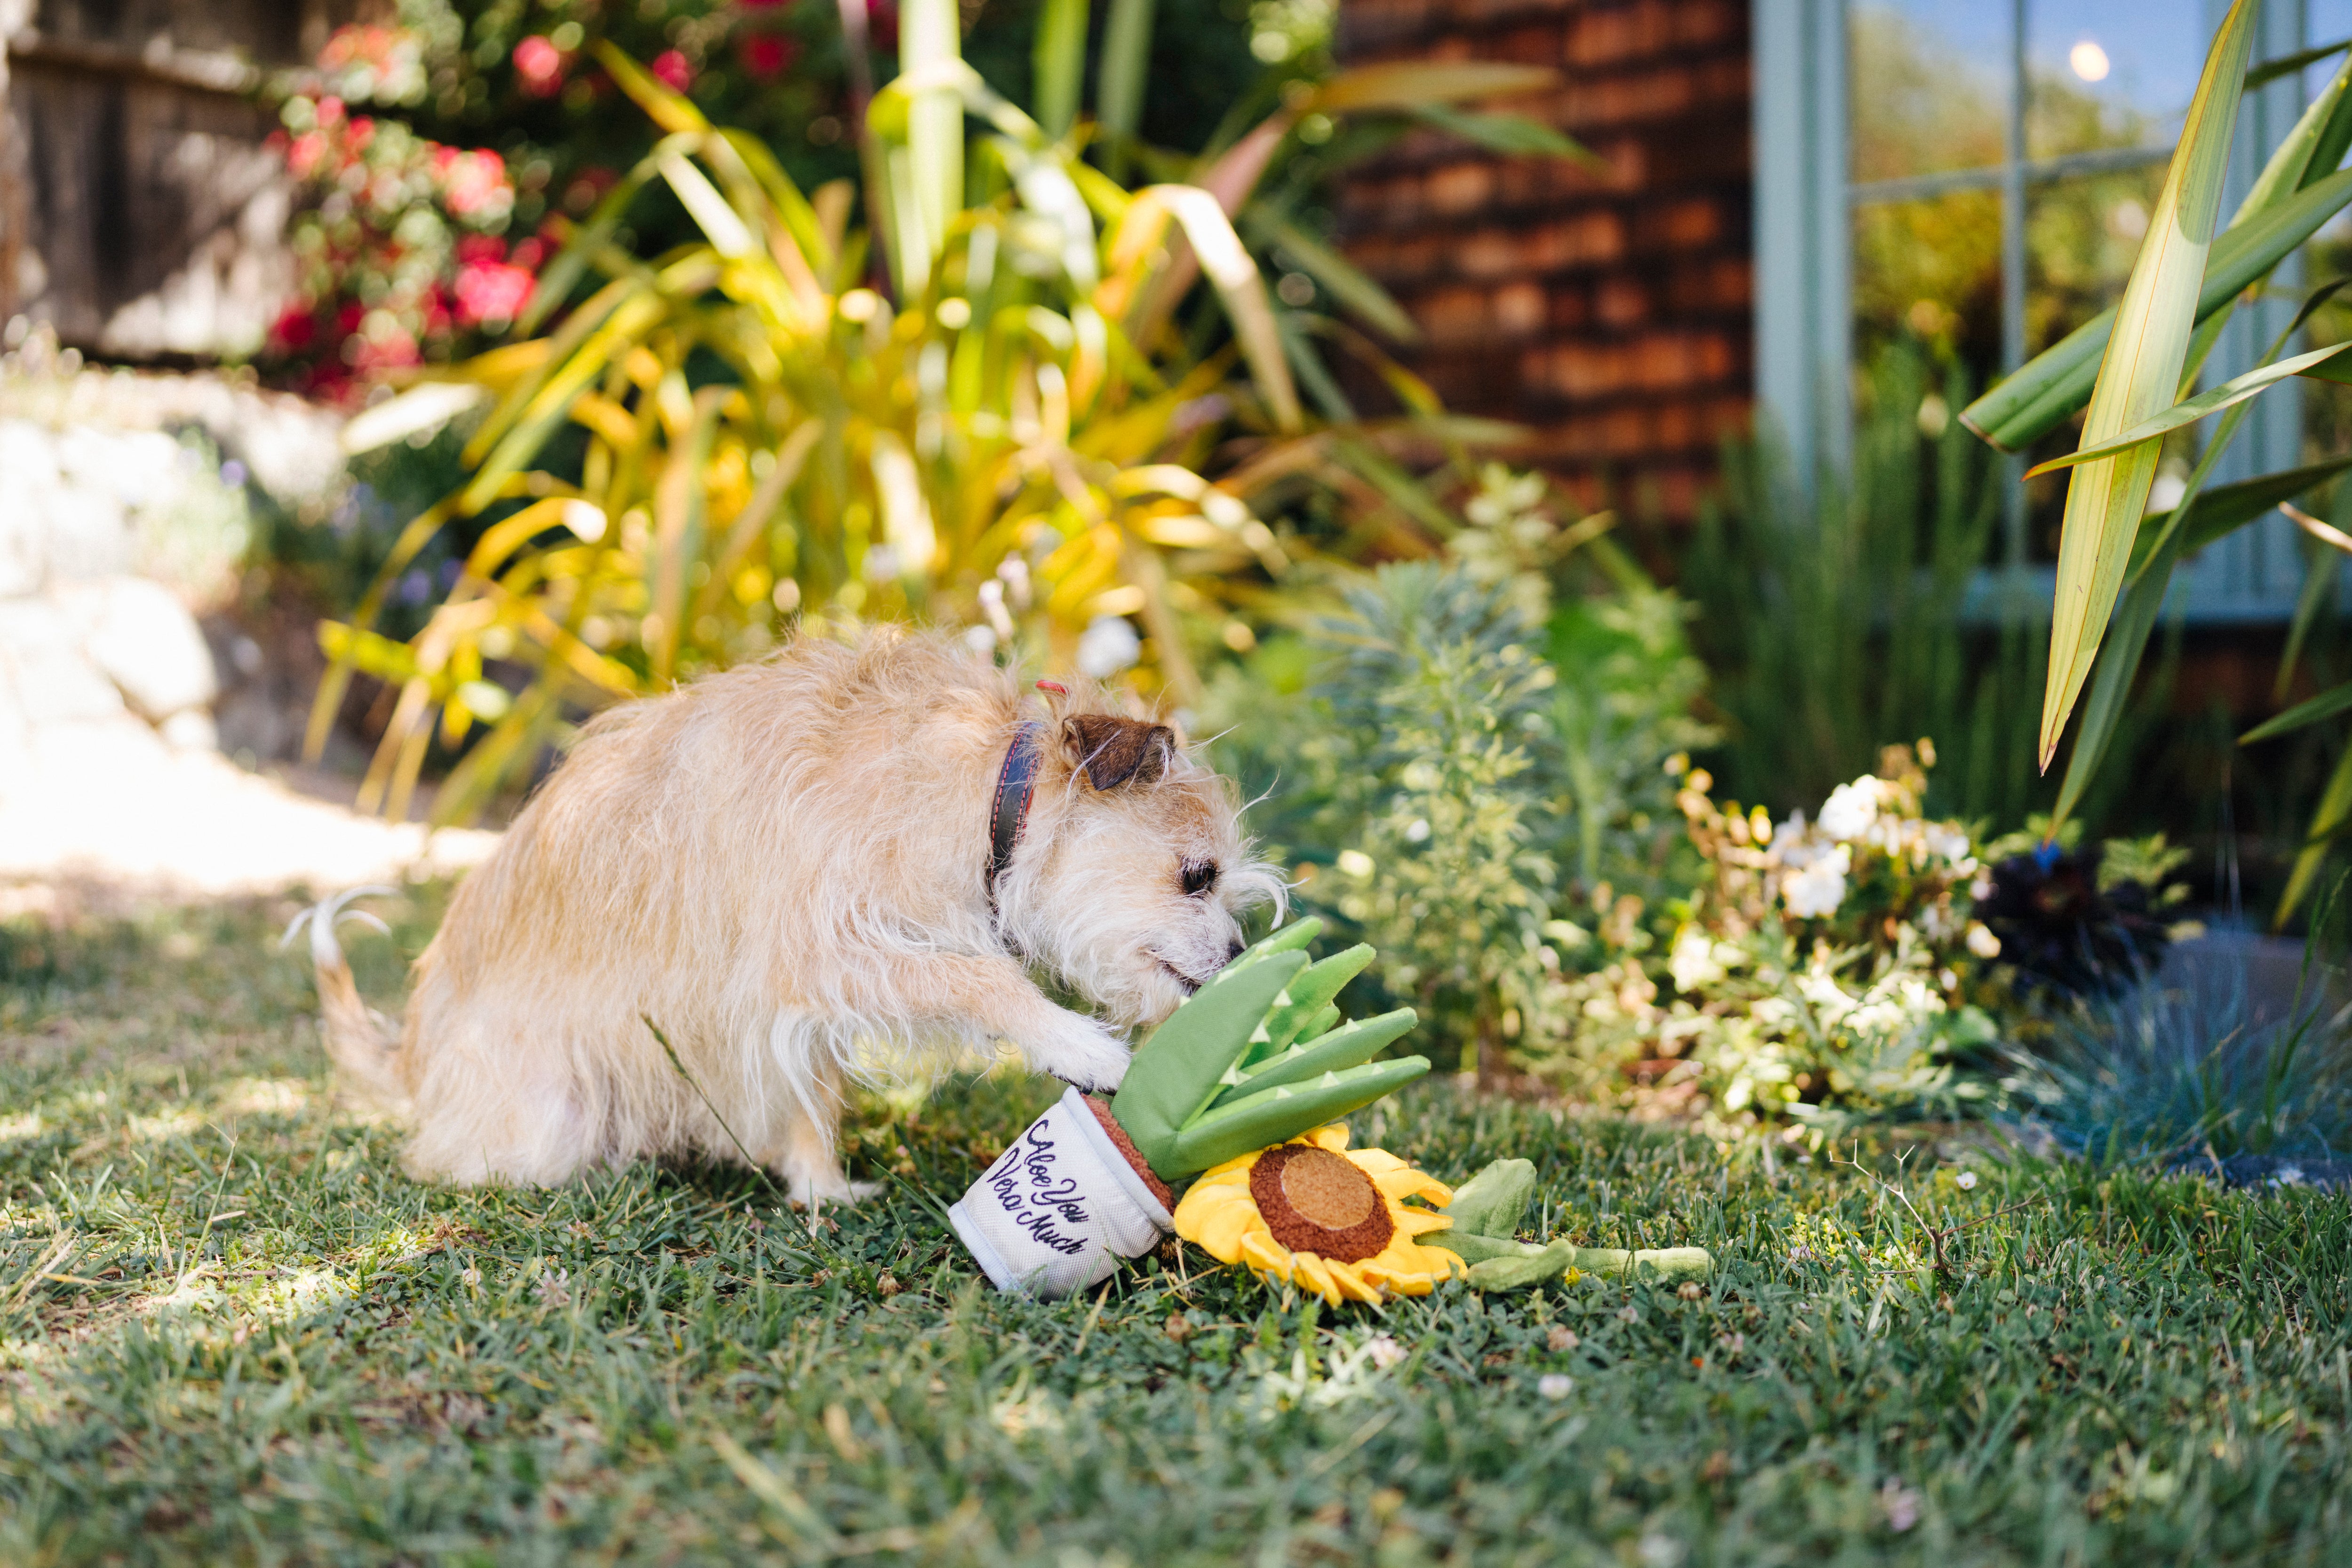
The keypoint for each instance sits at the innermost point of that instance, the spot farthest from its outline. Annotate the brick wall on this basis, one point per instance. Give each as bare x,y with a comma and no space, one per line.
1609,311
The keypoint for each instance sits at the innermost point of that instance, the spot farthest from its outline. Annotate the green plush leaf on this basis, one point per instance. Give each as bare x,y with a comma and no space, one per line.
1473,1248
1493,1202
1335,1052
1182,1066
1517,1270
1303,1002
1277,1115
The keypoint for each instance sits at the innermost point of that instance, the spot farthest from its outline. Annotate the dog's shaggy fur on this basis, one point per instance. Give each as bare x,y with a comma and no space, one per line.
783,867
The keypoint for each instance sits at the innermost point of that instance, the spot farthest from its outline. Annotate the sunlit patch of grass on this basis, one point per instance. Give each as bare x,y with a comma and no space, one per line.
253,1337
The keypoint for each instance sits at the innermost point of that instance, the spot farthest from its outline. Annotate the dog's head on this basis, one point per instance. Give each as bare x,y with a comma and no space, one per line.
1142,872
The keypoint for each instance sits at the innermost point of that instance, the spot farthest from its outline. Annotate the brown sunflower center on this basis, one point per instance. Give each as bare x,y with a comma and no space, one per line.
1318,1202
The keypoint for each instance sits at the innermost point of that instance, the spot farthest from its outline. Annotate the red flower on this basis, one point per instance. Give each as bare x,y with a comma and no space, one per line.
765,56
475,181
492,292
294,329
303,154
540,64
670,67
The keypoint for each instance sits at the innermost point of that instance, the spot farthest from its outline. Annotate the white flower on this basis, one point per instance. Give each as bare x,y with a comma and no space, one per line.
1385,1351
1949,840
1355,863
1819,888
1693,963
1982,942
1850,809
1967,1180
1108,646
1555,1385
1827,997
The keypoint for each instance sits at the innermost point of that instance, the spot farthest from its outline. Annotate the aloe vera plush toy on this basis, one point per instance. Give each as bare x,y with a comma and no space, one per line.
1245,1082
1255,1058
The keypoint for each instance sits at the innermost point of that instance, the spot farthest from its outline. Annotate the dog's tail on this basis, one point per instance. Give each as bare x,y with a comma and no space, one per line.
360,1040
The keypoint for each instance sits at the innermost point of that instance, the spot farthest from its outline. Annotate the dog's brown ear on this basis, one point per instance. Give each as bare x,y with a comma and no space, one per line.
1116,750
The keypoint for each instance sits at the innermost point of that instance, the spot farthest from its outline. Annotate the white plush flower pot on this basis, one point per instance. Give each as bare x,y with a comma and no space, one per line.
1060,1208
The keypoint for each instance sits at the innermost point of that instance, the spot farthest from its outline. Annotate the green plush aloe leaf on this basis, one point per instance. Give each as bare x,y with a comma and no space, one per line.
1276,1115
1320,1025
1667,1263
1185,1062
1291,938
1515,1270
1352,1046
1493,1202
1472,1247
1306,997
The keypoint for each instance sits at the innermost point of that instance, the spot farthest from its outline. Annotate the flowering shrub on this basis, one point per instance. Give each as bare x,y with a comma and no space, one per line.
399,245
1819,966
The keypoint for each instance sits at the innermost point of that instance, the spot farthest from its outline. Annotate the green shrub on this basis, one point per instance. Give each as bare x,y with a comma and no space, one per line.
1452,765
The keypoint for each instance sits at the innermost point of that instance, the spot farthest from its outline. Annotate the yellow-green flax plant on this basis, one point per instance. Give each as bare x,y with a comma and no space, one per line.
1019,436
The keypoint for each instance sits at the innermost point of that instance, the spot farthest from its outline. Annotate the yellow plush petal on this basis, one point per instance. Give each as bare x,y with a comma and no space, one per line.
1219,1172
1312,1272
1349,1278
1398,1180
1420,1222
1332,1135
1263,1253
1219,1228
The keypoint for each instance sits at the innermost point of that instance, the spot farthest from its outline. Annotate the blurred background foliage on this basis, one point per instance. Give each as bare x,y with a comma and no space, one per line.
686,373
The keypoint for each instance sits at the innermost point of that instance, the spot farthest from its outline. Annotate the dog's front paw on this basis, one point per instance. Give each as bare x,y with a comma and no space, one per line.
1081,1052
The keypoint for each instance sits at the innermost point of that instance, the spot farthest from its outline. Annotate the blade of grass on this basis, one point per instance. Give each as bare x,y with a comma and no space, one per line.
1120,75
2335,805
2271,71
2029,403
1514,135
930,33
2230,393
1059,62
2326,705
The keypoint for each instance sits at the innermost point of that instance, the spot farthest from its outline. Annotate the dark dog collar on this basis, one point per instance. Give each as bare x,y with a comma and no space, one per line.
1016,781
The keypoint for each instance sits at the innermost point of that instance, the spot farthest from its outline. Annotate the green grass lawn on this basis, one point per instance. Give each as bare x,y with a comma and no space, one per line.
231,1330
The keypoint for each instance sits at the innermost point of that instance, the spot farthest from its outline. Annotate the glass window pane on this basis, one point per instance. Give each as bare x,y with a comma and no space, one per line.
2110,73
1931,271
1928,87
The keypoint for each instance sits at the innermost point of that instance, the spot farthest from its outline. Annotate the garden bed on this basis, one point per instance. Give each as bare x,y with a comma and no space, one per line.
233,1330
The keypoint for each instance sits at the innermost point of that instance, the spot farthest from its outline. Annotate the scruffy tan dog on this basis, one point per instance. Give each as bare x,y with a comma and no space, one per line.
801,869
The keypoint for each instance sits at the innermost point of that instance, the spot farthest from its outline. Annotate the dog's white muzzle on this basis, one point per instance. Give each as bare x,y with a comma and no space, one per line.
1059,1208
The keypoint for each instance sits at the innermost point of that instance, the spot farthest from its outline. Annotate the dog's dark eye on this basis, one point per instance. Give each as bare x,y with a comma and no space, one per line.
1198,876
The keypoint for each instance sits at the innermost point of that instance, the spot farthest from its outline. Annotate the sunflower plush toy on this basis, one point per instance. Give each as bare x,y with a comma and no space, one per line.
1239,1092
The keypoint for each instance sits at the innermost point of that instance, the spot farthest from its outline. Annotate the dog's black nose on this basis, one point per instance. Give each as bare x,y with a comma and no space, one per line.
1233,950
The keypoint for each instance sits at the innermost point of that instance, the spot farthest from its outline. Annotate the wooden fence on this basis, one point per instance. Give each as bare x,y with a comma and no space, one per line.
140,214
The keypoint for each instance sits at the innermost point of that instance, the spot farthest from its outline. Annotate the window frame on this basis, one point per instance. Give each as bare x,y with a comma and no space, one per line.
1805,198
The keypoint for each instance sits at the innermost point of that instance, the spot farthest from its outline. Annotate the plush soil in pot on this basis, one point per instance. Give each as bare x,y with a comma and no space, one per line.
1126,1145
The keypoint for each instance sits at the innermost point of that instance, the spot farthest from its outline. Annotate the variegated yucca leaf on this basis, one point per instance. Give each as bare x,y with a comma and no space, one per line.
2141,375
